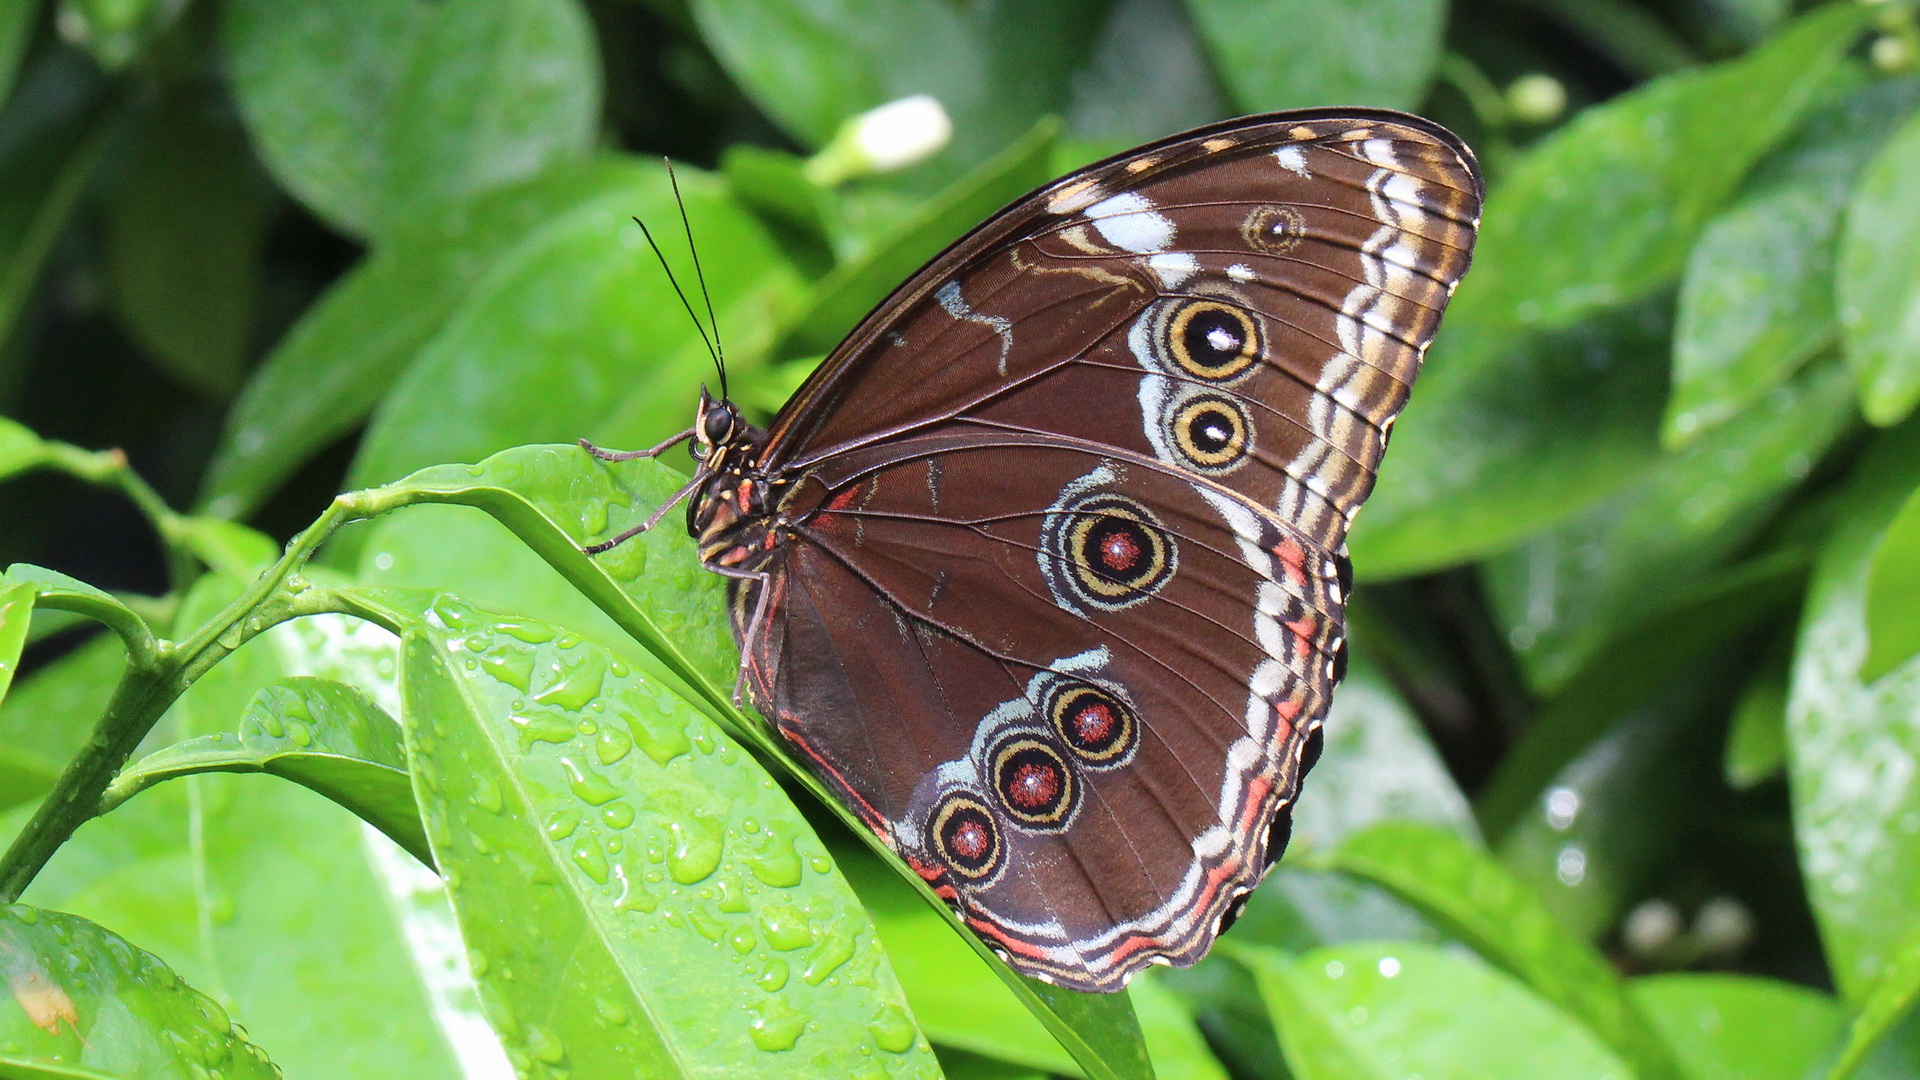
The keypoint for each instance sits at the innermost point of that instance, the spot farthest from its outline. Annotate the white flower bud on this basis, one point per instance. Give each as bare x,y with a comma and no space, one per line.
893,136
1536,99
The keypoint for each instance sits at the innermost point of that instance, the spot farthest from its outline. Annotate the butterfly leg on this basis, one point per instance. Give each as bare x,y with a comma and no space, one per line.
699,477
752,636
631,455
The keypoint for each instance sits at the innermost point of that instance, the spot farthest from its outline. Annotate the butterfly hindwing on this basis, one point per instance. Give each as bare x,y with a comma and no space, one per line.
1054,588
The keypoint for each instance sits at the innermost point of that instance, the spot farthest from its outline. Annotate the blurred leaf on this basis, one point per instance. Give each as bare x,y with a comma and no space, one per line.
323,735
1613,818
1893,581
17,18
839,301
1631,671
342,357
1562,594
1878,284
543,347
46,719
1757,735
1625,187
226,547
1146,76
270,896
1757,299
16,617
1737,1027
494,91
313,79
1294,54
1855,750
51,138
114,32
20,448
796,211
960,1065
86,1004
1489,451
1477,900
1179,1053
1385,1010
184,238
593,953
1887,1001
996,66
1633,38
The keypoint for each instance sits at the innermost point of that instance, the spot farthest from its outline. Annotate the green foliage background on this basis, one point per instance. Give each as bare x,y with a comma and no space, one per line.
1625,780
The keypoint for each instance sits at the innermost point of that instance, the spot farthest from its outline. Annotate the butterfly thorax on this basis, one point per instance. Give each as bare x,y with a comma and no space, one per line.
729,514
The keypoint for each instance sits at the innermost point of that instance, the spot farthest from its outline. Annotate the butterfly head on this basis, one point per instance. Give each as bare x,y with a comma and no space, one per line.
717,426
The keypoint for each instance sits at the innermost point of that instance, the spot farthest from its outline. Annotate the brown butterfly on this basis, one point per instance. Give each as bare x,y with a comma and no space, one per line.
1043,570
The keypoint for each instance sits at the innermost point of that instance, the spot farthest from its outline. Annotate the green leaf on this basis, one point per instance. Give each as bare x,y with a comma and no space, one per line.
1178,1050
1757,299
1474,898
1146,75
54,589
1300,54
276,899
494,91
20,448
542,348
330,370
1384,1010
1854,745
1563,594
16,616
1631,671
1889,999
1893,580
114,32
640,897
184,238
17,18
47,159
1496,445
1625,187
844,297
226,547
1757,735
45,720
84,1003
323,735
1737,1027
313,79
1878,283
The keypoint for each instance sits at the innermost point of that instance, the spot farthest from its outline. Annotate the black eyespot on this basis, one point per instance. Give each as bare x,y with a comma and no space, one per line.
1210,431
1103,550
1275,230
1092,722
1212,340
963,835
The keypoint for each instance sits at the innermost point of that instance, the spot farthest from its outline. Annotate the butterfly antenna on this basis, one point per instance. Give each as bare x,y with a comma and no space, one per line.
719,352
681,293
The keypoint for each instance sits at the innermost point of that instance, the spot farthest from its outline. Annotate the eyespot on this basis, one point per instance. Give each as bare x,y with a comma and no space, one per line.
1211,340
1093,723
964,836
1114,551
1035,784
1211,431
1275,230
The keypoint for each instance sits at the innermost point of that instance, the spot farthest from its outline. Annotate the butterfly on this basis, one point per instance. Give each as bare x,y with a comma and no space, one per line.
1043,570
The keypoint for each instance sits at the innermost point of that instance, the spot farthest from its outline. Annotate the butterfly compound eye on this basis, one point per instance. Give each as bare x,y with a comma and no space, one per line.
717,425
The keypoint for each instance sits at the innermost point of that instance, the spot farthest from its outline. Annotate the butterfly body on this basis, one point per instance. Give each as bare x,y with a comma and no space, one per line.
1043,571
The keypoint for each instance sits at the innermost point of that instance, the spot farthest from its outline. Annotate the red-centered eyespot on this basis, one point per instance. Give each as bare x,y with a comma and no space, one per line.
964,837
1034,782
1098,727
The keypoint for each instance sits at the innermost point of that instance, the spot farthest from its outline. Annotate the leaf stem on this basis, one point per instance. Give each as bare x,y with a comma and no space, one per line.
110,469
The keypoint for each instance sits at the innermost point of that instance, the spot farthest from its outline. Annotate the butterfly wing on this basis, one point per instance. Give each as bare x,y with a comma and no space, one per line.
1056,605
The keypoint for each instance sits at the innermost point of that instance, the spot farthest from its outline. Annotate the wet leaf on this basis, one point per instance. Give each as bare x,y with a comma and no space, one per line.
542,348
1854,749
622,868
1737,1027
1893,581
313,79
84,1003
1625,187
1886,1003
839,301
493,92
331,369
1301,54
1878,283
1477,900
1563,594
56,590
1386,1010
184,239
16,617
1757,298
323,735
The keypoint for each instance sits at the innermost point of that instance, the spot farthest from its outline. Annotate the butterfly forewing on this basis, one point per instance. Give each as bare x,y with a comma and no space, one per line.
1054,586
